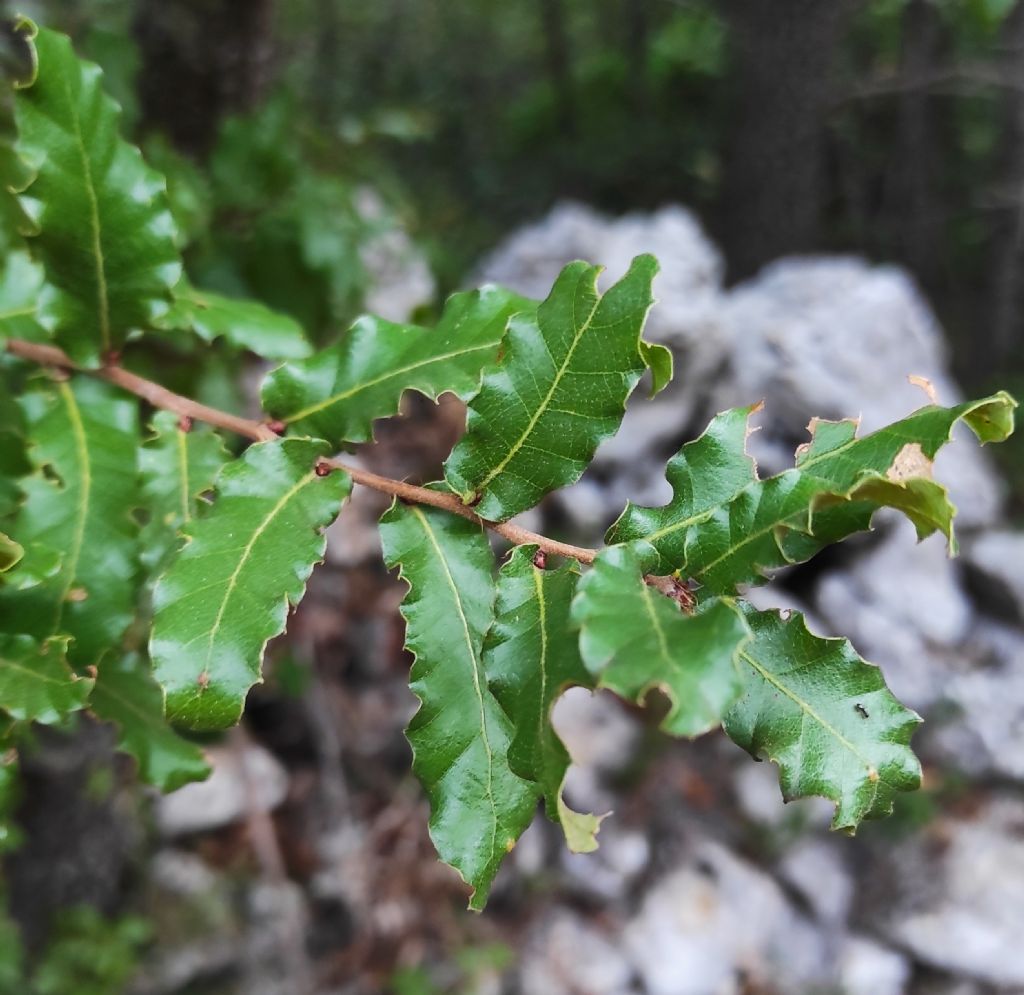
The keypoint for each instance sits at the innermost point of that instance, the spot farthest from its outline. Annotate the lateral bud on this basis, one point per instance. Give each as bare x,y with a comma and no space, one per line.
322,468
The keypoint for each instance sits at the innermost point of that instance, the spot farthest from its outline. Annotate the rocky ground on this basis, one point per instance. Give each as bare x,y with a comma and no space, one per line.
304,865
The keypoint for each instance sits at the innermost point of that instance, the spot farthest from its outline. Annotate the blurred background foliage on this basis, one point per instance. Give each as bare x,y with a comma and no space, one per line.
892,128
296,135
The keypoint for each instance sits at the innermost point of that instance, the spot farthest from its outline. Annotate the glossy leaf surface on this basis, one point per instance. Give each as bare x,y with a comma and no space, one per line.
633,639
227,592
127,695
704,475
36,682
821,713
338,393
729,539
103,231
21,281
460,735
244,324
559,390
176,466
78,503
531,656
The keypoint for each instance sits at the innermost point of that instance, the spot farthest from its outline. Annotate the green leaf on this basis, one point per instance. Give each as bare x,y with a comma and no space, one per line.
244,324
36,683
633,639
10,553
821,713
21,282
103,231
339,392
227,592
32,566
177,466
460,735
84,442
14,462
560,389
728,539
127,695
704,475
659,360
531,655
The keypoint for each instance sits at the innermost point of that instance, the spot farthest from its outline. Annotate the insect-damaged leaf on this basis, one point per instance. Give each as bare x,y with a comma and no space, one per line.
838,483
558,391
127,695
338,393
36,683
531,656
244,324
83,441
634,638
460,735
177,465
227,591
102,228
825,717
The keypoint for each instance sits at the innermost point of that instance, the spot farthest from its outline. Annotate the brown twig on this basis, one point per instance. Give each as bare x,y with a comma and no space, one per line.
185,407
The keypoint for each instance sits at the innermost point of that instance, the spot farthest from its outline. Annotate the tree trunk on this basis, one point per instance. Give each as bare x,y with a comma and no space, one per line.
772,184
559,61
201,60
1008,257
911,203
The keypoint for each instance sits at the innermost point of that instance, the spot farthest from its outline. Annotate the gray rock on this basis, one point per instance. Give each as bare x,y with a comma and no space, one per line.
686,318
815,869
836,338
622,856
716,919
986,736
956,900
902,607
400,280
868,968
600,738
567,956
241,781
998,557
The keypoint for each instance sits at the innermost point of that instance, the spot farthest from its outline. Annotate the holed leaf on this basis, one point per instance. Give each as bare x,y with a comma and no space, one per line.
558,391
227,591
837,485
460,735
245,324
815,708
36,683
634,638
103,230
338,393
84,443
127,695
178,464
531,656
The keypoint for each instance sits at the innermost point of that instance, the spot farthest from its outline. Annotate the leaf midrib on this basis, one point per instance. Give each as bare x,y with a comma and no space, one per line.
542,407
85,495
94,219
809,710
475,670
383,378
247,549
